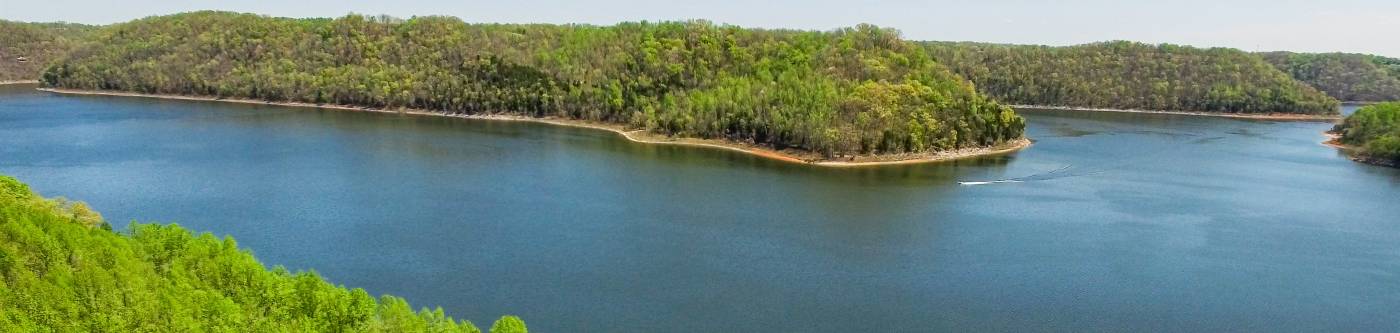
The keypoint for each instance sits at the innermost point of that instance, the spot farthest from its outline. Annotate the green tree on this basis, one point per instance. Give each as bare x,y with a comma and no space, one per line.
509,324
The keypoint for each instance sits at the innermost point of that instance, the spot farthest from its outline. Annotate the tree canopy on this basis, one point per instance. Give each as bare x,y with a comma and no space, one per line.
1130,75
26,47
848,91
1345,76
63,269
1376,130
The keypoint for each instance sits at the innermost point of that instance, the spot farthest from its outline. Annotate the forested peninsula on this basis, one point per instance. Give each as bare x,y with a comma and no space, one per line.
850,92
26,47
1349,77
1372,134
1132,76
63,269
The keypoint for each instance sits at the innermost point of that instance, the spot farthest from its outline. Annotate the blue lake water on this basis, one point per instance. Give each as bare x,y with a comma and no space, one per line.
1125,222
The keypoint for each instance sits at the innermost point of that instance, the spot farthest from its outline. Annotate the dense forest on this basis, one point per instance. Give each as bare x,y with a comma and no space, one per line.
1345,76
63,269
857,90
26,47
1129,75
1375,130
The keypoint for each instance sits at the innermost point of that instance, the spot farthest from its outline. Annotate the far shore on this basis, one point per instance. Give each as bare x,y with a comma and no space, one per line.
1265,116
634,135
19,82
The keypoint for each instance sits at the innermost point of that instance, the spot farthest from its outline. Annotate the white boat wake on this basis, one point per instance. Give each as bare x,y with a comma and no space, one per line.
989,182
1052,174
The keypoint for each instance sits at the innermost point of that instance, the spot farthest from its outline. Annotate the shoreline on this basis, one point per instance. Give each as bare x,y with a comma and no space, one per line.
1334,141
636,136
2,83
1266,116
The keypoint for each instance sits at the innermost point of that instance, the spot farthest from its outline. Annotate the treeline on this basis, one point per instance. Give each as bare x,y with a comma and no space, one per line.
62,269
1345,76
1375,130
1129,75
26,47
849,91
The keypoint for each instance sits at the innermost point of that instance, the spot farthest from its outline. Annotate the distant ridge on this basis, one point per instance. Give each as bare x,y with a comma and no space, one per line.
1130,75
1346,76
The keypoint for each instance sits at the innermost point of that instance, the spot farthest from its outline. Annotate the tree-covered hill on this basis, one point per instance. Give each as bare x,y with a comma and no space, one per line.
26,47
62,269
849,91
1375,130
1345,76
1129,75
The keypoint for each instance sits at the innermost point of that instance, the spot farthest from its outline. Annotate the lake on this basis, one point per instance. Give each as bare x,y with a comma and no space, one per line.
1121,222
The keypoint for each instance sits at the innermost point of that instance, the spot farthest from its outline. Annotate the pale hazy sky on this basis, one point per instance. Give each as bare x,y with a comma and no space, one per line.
1365,26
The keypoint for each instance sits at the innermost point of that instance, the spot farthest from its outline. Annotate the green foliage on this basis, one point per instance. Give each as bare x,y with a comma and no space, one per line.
804,89
13,189
1376,129
509,324
60,273
1130,75
1346,76
37,44
1385,147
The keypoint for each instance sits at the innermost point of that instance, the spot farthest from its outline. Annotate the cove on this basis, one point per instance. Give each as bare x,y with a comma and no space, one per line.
1152,222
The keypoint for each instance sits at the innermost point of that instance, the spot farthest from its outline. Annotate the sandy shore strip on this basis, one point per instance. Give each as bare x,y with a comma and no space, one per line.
635,135
1334,140
1265,116
19,82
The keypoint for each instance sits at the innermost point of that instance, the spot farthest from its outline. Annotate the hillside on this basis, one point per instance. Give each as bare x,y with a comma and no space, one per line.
26,47
859,90
1129,75
1345,76
63,269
